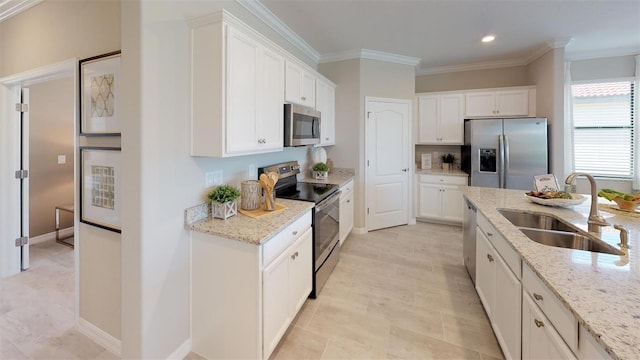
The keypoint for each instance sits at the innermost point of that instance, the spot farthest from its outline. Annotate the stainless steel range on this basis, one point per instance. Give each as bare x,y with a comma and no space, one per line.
326,217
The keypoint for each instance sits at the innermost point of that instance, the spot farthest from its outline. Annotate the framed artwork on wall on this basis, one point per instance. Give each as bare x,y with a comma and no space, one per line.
99,95
100,189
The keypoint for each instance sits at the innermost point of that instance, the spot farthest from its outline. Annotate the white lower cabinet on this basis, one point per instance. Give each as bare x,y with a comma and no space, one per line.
346,211
440,198
244,296
539,338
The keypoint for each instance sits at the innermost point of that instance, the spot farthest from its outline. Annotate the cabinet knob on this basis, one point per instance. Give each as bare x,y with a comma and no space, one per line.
348,201
538,323
295,233
537,296
489,234
304,98
490,257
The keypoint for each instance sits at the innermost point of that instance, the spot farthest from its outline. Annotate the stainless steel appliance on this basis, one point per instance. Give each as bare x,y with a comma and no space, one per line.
326,217
469,239
301,125
505,153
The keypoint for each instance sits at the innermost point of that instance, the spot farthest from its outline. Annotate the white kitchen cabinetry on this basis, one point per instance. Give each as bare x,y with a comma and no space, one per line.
500,103
441,118
346,210
440,198
326,104
237,90
300,85
499,287
539,338
244,296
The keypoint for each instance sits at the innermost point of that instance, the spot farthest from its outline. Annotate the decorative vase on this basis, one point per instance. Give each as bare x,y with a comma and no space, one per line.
320,175
225,210
446,167
250,198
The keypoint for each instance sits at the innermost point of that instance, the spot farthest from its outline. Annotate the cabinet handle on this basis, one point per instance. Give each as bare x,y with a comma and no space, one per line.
304,98
537,296
489,234
490,257
293,256
327,139
295,233
538,323
348,201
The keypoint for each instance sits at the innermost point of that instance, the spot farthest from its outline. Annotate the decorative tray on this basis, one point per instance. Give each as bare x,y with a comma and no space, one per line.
577,199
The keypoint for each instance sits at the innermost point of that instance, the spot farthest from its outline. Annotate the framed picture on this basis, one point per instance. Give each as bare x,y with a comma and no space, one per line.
99,95
100,187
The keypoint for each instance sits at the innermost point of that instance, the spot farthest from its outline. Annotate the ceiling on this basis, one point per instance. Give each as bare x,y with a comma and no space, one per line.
444,35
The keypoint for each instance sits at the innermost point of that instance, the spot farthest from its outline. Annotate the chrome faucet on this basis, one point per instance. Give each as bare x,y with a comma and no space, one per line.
595,219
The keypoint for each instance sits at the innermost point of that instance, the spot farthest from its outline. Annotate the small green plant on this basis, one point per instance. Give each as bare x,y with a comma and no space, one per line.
448,159
320,167
223,194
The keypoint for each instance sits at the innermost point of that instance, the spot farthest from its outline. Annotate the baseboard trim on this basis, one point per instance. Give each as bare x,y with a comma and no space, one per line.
182,351
51,236
359,231
99,336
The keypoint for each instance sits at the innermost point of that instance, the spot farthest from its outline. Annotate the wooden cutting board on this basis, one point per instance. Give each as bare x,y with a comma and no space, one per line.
261,211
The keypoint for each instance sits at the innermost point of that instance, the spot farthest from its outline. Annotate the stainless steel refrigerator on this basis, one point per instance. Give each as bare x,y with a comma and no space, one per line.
505,153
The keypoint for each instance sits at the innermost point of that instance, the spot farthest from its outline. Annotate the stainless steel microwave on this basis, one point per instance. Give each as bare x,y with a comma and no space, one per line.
301,125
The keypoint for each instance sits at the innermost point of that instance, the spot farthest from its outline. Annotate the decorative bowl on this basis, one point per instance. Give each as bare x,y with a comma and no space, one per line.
626,204
575,200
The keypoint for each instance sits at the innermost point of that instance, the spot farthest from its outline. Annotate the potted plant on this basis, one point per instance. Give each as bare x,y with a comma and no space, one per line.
447,162
224,201
320,171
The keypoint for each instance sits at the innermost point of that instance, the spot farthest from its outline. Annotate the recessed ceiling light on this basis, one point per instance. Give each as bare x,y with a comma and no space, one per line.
488,38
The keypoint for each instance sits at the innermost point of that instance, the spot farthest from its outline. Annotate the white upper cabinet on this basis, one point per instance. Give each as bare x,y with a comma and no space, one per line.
326,104
500,103
300,86
237,91
441,118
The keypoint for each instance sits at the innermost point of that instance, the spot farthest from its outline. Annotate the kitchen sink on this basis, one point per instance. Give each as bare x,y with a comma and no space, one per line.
569,240
536,221
549,230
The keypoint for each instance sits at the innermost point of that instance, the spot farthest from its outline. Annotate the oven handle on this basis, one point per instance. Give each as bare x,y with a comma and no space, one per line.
328,201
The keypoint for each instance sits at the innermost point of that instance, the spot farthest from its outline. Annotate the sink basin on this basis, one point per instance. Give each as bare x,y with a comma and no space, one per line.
536,221
569,240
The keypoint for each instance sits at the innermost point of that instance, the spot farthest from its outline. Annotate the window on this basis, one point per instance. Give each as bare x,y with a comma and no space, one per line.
603,123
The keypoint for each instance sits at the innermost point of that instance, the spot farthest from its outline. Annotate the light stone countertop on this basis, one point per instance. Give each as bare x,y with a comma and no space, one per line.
337,176
244,228
601,290
455,172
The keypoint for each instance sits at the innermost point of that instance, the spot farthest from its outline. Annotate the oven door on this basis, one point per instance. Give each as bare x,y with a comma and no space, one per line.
327,227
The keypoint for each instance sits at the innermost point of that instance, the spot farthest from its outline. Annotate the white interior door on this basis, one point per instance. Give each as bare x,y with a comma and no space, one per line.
387,156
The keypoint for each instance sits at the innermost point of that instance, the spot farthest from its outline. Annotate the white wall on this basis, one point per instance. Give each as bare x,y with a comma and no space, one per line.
473,79
603,68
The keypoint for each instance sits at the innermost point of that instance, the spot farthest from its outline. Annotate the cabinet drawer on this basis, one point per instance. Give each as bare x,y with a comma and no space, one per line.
443,179
505,250
274,247
346,189
558,314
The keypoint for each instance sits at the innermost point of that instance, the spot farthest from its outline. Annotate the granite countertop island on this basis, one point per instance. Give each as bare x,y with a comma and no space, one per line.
601,290
244,228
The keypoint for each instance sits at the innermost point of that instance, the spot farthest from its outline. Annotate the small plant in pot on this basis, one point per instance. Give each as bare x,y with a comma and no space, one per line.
224,201
447,162
320,171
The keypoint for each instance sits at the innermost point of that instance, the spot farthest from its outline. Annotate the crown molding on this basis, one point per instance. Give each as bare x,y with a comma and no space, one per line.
261,12
369,54
9,8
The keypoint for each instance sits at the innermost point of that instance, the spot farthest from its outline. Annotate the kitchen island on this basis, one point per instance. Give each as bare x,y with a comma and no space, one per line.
602,291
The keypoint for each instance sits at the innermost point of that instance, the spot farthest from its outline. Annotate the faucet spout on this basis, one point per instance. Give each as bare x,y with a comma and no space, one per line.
595,219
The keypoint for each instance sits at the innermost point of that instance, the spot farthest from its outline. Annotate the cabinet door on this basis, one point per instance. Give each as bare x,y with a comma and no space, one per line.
485,272
429,201
539,339
506,318
276,304
452,203
428,119
325,103
308,89
480,104
301,271
512,103
452,119
300,86
346,216
270,124
241,92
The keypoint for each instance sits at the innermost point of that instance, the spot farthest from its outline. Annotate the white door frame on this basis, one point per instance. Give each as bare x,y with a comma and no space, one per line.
10,87
368,99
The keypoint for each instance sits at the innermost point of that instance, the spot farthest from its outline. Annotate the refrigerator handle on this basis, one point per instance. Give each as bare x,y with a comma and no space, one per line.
501,162
505,162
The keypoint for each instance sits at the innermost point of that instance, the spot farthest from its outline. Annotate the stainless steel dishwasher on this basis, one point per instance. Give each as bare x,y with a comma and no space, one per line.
469,239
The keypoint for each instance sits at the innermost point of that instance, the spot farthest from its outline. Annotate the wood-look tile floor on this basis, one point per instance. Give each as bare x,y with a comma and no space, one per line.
37,310
397,293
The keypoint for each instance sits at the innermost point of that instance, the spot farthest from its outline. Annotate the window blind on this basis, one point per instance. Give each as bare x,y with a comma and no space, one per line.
604,128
